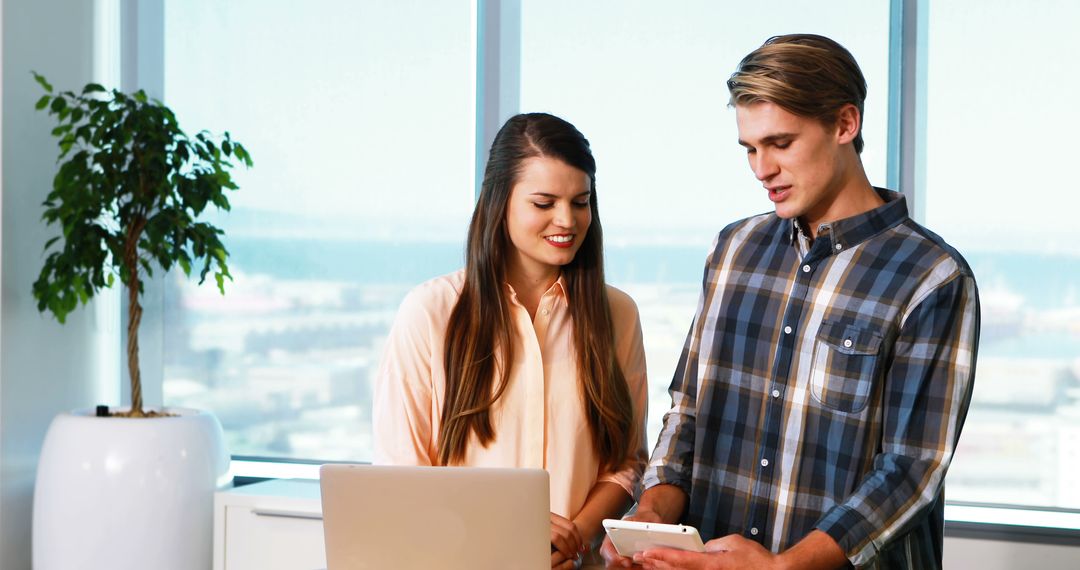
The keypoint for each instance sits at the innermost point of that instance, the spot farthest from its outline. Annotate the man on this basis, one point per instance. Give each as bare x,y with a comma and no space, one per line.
829,367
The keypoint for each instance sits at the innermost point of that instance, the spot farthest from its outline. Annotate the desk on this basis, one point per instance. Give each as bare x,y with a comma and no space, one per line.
273,525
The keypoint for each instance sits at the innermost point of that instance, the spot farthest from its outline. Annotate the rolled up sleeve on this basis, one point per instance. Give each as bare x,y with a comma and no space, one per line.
927,392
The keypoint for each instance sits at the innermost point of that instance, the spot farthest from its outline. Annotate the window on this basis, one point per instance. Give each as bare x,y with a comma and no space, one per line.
1001,111
359,119
362,128
645,83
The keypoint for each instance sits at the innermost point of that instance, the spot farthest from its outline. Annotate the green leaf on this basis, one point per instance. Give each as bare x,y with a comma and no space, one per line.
41,81
43,102
70,301
243,154
124,158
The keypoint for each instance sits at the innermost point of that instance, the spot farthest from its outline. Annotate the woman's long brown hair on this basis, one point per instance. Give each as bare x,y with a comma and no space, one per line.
479,337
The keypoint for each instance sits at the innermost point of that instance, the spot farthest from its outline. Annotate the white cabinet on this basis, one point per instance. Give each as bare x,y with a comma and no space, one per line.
268,526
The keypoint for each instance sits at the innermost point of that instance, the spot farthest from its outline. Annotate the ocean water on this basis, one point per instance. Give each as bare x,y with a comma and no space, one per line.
1042,285
1044,281
413,263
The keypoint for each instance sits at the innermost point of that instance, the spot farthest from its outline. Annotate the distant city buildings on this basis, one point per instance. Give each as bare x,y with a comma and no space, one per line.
287,364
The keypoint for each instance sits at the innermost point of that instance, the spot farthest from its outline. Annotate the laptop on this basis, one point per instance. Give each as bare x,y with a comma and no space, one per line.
450,518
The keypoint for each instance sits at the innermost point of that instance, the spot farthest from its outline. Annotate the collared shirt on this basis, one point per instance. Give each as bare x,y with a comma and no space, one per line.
823,385
540,419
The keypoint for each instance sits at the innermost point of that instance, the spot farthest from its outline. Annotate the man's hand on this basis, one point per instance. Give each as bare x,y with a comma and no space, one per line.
671,559
566,542
730,552
607,550
816,551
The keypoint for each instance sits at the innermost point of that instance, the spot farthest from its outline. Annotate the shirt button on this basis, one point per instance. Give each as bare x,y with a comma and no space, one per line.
764,462
753,531
776,393
847,343
806,269
787,329
839,247
544,312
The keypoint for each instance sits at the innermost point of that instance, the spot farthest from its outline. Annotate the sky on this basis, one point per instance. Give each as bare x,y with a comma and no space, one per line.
645,82
360,118
357,114
1003,85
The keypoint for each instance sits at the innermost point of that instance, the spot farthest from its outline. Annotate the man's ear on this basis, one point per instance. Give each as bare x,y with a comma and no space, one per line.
848,120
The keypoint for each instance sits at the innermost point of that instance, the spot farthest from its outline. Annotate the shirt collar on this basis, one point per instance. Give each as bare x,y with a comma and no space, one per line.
558,289
850,232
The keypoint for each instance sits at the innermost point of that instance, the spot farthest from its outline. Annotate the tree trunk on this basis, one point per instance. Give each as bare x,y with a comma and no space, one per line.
131,261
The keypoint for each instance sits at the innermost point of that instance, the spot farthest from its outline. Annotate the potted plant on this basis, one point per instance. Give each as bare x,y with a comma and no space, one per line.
126,200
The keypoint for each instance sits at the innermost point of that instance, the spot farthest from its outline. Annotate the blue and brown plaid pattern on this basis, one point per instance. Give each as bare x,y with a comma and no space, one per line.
823,385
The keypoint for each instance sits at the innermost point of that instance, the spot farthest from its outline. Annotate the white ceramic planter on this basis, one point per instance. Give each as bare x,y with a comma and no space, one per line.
124,493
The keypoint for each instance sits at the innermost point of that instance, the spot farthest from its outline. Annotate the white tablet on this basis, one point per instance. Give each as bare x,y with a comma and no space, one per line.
634,536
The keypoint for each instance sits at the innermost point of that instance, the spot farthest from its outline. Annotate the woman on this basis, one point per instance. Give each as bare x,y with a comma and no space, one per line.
525,358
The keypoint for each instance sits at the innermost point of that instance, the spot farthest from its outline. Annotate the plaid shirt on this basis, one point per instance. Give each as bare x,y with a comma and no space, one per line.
823,385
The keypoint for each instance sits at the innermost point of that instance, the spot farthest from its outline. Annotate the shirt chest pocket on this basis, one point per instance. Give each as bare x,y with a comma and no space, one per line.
845,363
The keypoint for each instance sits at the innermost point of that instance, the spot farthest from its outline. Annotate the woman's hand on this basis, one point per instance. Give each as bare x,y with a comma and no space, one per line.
612,559
560,562
566,542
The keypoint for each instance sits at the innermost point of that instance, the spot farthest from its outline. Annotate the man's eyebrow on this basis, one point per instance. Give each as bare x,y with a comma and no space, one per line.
770,139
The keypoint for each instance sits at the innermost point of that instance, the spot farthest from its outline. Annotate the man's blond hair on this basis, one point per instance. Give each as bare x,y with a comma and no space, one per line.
805,74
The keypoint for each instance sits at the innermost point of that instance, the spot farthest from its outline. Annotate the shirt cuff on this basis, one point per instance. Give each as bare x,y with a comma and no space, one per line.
665,475
850,530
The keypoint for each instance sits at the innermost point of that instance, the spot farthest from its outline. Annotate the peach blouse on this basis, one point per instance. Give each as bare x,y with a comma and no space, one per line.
540,419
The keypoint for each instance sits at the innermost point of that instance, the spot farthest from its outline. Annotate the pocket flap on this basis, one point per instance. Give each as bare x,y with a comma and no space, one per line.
849,338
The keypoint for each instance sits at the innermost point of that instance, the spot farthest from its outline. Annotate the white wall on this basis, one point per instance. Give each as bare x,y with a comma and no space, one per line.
963,553
44,367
